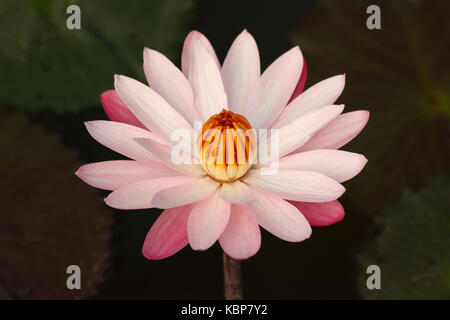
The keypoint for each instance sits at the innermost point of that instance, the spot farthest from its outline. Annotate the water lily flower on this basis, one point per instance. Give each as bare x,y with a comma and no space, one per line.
229,202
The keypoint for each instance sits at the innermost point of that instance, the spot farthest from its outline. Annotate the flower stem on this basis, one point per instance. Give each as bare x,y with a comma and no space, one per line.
232,278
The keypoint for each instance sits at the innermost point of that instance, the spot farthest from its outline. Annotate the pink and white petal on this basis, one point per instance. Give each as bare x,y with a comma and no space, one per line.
168,234
186,55
274,88
240,71
150,108
119,137
237,192
321,214
116,109
298,132
321,94
336,164
170,83
301,83
280,218
139,195
339,132
306,186
186,193
206,81
207,221
111,175
241,238
164,153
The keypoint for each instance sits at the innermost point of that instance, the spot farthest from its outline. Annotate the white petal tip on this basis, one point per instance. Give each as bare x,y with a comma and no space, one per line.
198,248
89,125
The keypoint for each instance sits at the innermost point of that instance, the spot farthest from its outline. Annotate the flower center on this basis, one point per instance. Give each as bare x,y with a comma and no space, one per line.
226,146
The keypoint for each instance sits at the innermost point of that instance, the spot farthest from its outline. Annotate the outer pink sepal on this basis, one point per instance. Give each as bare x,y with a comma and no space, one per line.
321,213
116,109
301,83
168,235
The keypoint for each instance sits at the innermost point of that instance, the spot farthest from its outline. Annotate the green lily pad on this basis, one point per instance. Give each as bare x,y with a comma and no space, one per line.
412,249
49,219
48,66
400,74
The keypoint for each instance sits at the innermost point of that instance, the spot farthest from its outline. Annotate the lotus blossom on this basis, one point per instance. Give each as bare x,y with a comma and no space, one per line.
229,202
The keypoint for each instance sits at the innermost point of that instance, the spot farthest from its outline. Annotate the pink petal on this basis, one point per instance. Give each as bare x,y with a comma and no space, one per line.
139,195
150,108
168,235
111,175
116,110
298,132
274,89
164,153
240,71
186,55
322,94
296,185
338,133
206,82
280,218
301,82
236,192
207,221
241,239
321,214
120,137
186,193
170,83
336,164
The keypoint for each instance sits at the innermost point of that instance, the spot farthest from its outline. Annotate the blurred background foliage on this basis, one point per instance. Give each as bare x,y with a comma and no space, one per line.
48,219
400,74
51,67
397,73
412,249
396,215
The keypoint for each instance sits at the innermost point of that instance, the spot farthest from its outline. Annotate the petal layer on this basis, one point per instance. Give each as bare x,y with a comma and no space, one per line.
139,195
339,132
119,137
164,154
336,164
296,185
207,221
116,109
301,82
170,83
280,218
206,81
298,132
274,89
237,192
241,239
186,55
150,108
322,94
111,175
321,214
240,71
168,234
186,193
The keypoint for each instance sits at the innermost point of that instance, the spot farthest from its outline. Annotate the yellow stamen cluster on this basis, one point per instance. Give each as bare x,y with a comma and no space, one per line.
227,146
